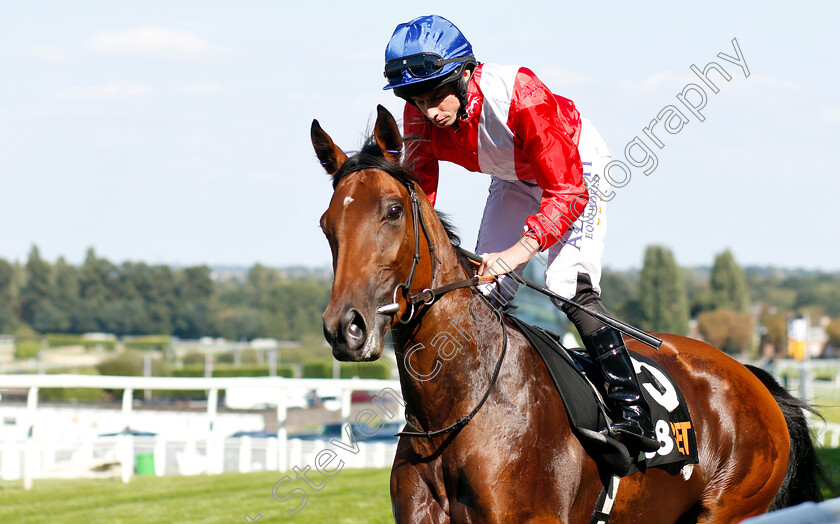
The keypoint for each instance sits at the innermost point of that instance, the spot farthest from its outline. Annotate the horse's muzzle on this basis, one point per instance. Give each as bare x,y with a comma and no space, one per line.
348,337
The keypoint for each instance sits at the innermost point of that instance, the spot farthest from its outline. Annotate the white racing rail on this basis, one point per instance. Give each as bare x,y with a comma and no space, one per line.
278,451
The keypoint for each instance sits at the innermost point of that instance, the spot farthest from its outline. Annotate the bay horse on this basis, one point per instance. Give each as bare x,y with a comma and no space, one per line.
497,446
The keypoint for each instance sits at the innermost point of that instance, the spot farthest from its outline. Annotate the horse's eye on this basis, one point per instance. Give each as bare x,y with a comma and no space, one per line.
394,212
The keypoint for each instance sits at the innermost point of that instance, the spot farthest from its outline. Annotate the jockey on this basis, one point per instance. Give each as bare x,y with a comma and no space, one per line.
546,165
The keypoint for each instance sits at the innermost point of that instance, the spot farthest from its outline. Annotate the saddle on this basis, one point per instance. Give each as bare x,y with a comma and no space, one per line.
589,416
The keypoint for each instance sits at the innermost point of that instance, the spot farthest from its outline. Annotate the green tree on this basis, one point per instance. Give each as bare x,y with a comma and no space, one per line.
819,290
56,315
192,320
774,332
621,297
49,318
97,278
64,293
161,299
125,317
97,282
8,317
833,332
85,318
258,284
300,303
7,283
194,290
239,323
37,287
133,280
661,293
725,329
729,288
195,284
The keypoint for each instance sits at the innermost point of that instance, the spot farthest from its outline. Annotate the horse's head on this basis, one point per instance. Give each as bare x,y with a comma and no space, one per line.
371,234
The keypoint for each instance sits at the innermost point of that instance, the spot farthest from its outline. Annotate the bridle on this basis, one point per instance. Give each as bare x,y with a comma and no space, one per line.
428,296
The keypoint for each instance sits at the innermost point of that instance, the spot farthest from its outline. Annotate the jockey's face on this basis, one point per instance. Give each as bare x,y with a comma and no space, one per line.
441,105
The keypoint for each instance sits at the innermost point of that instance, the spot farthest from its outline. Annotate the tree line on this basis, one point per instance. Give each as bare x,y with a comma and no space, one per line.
134,298
727,302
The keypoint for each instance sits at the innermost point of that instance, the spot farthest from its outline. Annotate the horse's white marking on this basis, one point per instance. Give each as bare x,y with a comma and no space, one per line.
347,200
686,471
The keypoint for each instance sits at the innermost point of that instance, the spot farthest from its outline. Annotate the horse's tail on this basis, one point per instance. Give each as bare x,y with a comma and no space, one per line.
805,474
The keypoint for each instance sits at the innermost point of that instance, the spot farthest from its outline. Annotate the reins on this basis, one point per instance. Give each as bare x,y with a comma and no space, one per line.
463,421
428,296
627,329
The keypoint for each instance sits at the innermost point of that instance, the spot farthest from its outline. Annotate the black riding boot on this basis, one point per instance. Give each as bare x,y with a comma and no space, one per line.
632,415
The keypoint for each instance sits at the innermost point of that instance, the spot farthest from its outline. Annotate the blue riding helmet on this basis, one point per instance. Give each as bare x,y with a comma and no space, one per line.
424,54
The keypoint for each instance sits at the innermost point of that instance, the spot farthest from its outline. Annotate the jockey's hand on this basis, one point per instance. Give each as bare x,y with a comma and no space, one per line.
493,264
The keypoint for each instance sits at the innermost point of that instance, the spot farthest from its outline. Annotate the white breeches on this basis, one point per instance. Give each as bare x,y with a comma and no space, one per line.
509,204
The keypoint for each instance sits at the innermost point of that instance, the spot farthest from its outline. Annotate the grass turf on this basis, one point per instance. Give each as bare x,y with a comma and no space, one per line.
351,496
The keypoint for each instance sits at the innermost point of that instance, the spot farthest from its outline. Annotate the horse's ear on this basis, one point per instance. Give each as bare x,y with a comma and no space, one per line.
388,135
330,155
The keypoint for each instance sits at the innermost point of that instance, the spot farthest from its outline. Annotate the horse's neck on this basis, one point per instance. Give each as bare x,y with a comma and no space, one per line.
446,359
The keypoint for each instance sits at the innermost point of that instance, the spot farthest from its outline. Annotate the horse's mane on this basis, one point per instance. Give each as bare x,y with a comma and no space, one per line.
371,157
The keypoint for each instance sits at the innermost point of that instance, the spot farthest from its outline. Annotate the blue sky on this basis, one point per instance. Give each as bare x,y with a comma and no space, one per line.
178,132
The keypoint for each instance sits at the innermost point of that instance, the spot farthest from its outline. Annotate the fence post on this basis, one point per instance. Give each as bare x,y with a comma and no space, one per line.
245,454
272,363
346,406
126,440
160,456
214,464
28,451
282,437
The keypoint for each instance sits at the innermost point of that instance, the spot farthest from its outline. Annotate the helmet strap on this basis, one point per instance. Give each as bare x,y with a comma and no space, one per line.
462,88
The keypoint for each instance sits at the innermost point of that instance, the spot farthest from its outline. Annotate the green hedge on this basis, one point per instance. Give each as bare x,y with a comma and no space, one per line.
55,340
318,369
147,342
72,394
231,371
378,369
324,369
27,348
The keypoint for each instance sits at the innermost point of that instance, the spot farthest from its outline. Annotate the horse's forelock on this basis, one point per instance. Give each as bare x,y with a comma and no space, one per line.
371,157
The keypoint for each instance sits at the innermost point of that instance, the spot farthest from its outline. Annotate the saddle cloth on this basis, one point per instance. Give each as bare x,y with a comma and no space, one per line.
574,375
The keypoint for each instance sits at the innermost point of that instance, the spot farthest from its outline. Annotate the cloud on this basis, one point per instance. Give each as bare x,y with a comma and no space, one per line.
52,54
557,77
109,91
774,83
830,114
209,88
156,42
661,80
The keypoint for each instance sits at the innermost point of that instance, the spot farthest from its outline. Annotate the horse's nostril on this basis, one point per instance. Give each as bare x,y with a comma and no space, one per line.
355,329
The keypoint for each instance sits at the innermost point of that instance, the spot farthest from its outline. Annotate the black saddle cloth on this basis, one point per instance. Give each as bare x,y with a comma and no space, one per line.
575,374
